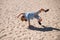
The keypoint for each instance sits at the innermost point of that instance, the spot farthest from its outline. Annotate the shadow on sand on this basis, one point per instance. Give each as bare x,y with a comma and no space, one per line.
31,27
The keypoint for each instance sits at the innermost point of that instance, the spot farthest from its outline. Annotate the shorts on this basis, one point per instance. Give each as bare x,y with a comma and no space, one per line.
31,15
37,17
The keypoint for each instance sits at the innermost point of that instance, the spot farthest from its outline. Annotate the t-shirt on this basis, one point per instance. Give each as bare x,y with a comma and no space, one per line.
31,15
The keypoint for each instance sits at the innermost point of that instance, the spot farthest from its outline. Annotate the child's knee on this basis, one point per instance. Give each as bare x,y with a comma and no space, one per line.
40,20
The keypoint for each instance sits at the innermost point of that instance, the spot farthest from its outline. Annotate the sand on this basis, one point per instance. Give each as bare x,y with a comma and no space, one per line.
12,28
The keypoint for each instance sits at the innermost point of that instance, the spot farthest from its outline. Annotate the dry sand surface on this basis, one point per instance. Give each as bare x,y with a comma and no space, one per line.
12,28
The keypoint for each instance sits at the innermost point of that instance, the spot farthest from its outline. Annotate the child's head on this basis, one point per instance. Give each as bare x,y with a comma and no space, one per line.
23,18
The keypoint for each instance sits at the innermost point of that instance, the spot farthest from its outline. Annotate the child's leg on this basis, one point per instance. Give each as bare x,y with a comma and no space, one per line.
44,10
38,18
39,21
39,11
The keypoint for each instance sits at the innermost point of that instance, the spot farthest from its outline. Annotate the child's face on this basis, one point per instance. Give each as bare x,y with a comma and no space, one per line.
23,18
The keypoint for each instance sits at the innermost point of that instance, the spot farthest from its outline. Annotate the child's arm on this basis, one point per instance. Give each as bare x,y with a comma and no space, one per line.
29,22
19,15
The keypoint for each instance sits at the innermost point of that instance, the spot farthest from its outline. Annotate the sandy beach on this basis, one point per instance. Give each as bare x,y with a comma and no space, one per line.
12,28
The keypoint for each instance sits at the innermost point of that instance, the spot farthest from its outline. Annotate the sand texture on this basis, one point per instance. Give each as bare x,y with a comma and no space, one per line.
12,28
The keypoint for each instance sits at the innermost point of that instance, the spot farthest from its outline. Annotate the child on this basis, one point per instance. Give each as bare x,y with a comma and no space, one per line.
30,15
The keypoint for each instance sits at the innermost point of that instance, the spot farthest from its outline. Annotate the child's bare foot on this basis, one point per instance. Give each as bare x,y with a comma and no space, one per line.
47,10
39,22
